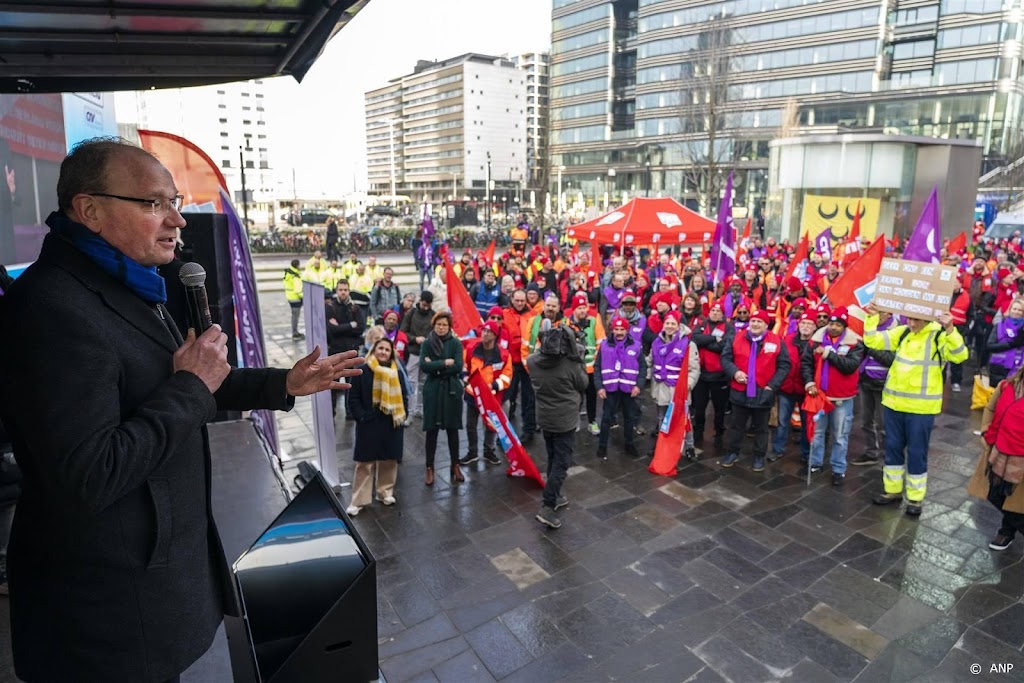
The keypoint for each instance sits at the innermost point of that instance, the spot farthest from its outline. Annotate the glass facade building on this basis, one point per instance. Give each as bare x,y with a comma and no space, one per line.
639,86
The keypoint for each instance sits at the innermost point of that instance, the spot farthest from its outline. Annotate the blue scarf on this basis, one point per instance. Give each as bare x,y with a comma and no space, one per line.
147,284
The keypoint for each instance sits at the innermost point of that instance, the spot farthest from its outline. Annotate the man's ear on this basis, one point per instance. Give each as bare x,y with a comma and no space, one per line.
86,210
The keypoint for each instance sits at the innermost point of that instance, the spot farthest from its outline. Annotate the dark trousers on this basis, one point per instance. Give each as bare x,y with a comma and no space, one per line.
453,445
870,410
612,404
981,330
472,433
1013,522
559,446
590,397
522,389
332,250
758,419
716,393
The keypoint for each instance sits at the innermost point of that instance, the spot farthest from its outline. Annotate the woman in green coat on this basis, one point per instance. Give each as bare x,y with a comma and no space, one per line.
441,363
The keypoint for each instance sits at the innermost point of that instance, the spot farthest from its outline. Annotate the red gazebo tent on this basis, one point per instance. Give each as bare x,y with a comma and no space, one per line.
646,220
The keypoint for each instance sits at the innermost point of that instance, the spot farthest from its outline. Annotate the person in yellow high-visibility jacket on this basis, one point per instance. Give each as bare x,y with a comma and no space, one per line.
911,399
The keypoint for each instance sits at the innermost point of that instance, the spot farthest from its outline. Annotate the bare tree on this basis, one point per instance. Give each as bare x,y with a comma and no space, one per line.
790,118
707,75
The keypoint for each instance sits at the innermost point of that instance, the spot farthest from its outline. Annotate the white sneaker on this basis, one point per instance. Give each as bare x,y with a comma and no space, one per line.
956,388
390,500
352,510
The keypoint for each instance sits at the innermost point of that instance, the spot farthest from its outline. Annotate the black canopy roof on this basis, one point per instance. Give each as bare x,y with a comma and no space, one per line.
106,45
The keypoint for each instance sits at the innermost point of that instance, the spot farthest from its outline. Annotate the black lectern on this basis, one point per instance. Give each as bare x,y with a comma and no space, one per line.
308,591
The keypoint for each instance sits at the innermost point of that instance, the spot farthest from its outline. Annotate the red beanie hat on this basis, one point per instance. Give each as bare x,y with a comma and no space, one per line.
579,299
492,327
495,310
840,315
761,315
620,322
793,284
674,315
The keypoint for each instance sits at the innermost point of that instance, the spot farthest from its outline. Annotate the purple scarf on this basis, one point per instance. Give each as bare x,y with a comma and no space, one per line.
752,367
613,297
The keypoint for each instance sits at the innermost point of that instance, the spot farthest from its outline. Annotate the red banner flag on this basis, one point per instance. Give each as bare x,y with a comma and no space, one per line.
855,287
519,462
851,250
799,257
489,253
957,244
465,317
672,432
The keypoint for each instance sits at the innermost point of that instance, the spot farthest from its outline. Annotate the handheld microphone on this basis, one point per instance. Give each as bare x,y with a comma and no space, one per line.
193,276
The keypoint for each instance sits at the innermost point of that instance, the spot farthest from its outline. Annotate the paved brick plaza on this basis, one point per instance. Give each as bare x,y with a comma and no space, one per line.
713,575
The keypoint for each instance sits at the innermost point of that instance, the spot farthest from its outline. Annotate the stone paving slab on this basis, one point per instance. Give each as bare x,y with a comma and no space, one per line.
713,575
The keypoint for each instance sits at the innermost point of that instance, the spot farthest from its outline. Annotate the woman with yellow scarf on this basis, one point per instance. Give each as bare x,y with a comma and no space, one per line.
377,401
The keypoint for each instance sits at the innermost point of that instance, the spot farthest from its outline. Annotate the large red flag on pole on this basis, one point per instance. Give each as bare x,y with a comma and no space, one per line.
856,287
519,462
465,317
672,431
802,252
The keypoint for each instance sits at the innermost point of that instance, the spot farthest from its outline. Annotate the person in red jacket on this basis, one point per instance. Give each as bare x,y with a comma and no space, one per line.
517,317
791,393
495,367
839,352
713,386
962,310
757,361
497,314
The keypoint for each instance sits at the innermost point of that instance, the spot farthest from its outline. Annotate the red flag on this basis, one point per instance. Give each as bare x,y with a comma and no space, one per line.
489,253
465,317
798,258
852,289
852,249
574,257
519,462
957,244
817,406
672,431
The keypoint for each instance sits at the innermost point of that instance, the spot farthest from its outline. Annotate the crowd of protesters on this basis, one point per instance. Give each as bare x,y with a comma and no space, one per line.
751,347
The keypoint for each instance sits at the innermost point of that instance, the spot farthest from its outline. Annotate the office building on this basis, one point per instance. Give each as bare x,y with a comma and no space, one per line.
227,121
438,133
639,86
536,65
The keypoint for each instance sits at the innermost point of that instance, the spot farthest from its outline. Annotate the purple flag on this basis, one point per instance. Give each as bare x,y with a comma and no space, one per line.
823,243
247,313
428,225
924,242
723,246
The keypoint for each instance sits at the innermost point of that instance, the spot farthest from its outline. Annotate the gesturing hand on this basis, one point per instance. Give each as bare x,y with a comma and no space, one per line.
312,373
206,357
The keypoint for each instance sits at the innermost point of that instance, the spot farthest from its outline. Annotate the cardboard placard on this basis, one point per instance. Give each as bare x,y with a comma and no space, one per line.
913,288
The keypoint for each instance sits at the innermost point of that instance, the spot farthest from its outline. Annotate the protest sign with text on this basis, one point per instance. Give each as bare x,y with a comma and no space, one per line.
913,288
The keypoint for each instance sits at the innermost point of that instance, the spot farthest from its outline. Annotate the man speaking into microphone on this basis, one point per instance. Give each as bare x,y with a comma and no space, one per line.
116,570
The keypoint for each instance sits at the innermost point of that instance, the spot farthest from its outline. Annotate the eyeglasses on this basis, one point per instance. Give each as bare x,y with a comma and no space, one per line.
160,207
822,317
496,317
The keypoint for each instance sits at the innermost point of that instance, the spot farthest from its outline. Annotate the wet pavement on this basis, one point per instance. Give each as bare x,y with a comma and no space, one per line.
712,575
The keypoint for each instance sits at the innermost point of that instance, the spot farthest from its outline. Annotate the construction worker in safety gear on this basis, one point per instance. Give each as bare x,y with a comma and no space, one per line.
911,399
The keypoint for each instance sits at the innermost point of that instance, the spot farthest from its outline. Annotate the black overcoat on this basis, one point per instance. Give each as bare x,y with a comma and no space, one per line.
115,566
377,438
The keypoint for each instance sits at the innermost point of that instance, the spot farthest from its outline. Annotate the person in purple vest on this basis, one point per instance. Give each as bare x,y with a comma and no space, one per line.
671,352
637,324
1006,344
873,371
611,296
620,373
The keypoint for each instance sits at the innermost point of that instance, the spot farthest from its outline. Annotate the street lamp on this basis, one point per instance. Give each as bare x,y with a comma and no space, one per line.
609,181
487,191
647,165
391,137
455,181
245,196
561,204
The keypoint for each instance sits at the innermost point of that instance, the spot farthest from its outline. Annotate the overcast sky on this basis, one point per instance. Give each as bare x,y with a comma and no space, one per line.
319,124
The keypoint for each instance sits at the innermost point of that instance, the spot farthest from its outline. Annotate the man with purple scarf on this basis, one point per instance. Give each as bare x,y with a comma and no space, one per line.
757,362
839,351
